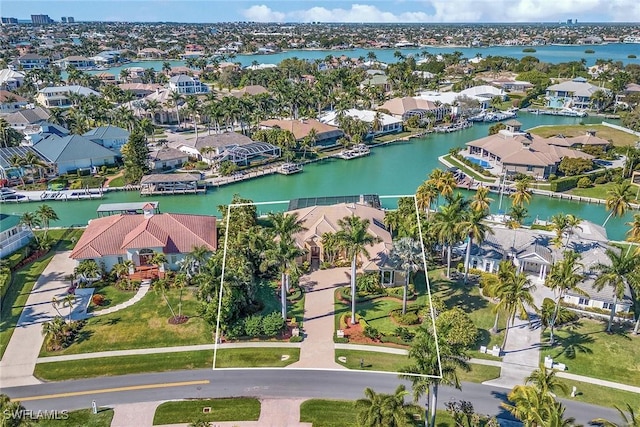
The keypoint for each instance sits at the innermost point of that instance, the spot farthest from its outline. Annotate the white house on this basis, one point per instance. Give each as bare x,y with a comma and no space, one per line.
187,85
13,235
575,93
10,79
59,96
387,123
10,102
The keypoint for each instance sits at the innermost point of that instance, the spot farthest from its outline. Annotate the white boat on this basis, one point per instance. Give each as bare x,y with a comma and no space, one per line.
289,168
359,150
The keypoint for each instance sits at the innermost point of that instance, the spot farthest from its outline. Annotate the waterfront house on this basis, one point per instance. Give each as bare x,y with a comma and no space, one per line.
137,237
60,96
76,61
151,53
387,123
35,133
326,135
512,151
187,85
231,146
486,92
318,220
11,102
574,93
140,90
29,61
13,235
406,107
534,253
21,119
10,79
167,158
109,136
15,174
74,152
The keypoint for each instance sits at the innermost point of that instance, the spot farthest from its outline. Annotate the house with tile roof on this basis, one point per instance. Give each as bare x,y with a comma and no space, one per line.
326,135
513,151
406,107
533,252
318,220
387,123
137,237
74,152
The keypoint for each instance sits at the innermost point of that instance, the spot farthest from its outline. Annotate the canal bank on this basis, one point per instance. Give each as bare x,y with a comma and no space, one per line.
397,168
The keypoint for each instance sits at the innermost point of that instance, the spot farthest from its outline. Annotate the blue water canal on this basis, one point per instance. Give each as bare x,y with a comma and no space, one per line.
394,169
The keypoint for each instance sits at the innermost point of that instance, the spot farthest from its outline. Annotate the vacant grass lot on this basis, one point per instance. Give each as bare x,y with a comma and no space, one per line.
599,191
373,361
123,365
190,411
143,325
83,417
617,137
598,395
589,350
342,413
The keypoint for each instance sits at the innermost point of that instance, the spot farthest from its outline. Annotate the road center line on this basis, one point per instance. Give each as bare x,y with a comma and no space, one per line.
110,390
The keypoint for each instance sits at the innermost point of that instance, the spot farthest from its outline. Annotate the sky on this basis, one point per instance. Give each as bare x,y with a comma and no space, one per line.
370,11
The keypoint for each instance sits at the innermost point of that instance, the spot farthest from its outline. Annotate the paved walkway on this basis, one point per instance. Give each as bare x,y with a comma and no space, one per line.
317,348
142,291
273,413
21,354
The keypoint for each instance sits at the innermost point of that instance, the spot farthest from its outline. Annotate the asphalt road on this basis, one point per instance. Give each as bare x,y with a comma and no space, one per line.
268,383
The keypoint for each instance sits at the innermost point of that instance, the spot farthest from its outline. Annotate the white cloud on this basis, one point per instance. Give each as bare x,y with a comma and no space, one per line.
263,13
454,11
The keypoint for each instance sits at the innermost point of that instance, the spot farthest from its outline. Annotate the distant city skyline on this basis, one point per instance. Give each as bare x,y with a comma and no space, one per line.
365,11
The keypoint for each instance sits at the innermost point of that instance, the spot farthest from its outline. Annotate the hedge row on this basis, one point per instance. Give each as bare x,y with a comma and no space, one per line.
5,281
569,182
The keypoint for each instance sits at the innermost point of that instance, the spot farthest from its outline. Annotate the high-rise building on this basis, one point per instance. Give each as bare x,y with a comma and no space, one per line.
41,19
9,20
63,19
70,19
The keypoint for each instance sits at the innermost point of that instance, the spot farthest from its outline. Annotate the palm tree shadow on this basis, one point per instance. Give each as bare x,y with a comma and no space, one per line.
573,344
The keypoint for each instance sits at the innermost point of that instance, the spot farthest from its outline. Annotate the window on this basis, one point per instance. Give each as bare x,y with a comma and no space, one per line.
120,260
529,168
487,266
387,277
474,264
607,305
172,259
583,301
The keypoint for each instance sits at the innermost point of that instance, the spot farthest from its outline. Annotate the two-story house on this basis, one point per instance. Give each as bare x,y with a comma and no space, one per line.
13,235
59,96
111,137
29,61
575,93
187,85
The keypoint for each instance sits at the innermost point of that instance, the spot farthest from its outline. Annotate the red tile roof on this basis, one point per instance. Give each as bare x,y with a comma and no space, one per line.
175,233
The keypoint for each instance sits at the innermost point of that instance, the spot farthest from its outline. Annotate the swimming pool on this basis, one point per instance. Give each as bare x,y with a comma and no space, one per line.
480,162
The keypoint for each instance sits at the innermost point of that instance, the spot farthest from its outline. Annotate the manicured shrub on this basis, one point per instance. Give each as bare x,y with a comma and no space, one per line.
253,325
404,333
584,182
371,333
272,324
601,180
409,318
97,299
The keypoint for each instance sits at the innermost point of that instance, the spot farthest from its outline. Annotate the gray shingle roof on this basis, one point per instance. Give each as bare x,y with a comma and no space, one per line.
69,148
106,132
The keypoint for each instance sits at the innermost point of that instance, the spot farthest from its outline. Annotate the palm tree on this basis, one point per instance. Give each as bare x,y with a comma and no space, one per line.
522,195
621,274
481,200
535,408
284,226
30,220
474,227
283,254
446,226
632,419
633,235
121,269
174,100
515,296
88,269
69,300
573,222
429,371
46,214
406,255
564,276
18,163
384,410
618,198
560,225
354,237
162,286
193,262
546,382
426,194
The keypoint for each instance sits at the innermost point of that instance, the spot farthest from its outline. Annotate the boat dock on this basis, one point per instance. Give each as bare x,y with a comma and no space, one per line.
47,195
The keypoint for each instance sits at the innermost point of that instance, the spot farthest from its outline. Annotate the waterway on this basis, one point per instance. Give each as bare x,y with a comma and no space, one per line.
394,169
549,53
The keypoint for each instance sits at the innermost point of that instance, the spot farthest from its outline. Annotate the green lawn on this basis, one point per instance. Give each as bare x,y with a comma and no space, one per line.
143,325
341,413
123,365
81,418
117,182
588,350
617,137
374,361
16,297
598,191
598,395
112,296
66,238
190,411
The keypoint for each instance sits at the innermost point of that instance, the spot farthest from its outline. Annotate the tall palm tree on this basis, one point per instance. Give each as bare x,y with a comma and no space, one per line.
546,382
474,227
195,260
573,222
515,296
174,101
619,275
633,235
283,254
447,228
354,237
430,372
384,410
564,276
46,214
618,198
481,200
535,409
560,225
629,419
406,255
522,195
426,194
30,220
284,226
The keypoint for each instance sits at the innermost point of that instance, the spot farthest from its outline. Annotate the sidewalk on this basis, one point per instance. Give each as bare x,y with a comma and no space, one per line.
317,348
21,354
273,413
